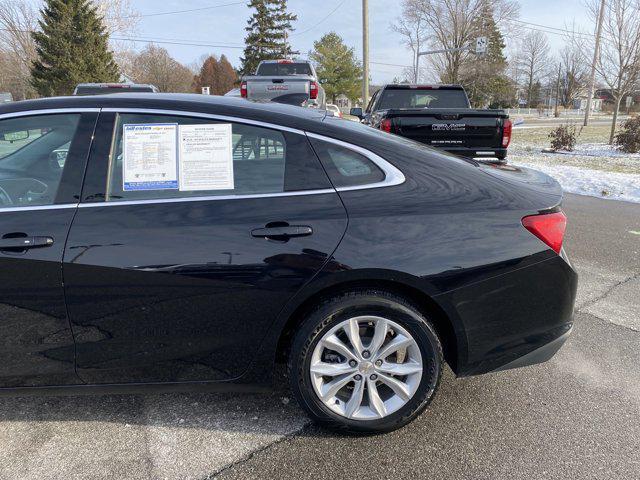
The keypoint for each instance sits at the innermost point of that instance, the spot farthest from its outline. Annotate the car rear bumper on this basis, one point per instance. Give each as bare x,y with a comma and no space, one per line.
514,319
540,354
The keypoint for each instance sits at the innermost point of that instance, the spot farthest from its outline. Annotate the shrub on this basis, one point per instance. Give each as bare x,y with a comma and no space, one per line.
628,139
563,138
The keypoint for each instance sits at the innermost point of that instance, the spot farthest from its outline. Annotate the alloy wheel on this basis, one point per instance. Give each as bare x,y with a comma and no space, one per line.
366,367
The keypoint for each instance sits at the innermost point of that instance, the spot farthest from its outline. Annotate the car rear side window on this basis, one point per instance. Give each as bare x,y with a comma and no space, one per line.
346,168
264,161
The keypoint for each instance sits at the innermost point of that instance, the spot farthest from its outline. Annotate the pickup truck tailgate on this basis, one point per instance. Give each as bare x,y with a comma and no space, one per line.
270,88
473,129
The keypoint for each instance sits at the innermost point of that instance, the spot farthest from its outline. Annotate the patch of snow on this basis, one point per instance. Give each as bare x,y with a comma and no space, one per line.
594,183
597,150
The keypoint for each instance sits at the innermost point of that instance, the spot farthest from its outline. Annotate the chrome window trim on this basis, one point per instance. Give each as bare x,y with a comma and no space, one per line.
58,206
206,198
50,111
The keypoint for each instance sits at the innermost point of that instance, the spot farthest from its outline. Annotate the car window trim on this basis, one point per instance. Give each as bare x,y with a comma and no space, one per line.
393,176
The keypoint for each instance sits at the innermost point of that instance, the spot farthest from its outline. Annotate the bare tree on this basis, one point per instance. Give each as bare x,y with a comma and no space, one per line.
453,25
413,29
533,63
575,73
18,18
618,65
154,65
118,16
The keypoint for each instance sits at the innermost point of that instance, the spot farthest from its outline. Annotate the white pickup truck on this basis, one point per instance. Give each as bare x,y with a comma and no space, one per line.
294,82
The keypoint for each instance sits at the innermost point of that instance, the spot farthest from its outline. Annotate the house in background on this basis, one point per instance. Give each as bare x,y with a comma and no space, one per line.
580,103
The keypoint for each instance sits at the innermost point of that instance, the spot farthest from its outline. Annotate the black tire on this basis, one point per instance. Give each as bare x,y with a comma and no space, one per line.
332,311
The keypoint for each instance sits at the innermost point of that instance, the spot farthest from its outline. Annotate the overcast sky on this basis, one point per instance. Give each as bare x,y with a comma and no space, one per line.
224,27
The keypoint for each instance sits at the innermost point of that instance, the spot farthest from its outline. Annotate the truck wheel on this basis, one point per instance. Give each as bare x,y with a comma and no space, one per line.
365,362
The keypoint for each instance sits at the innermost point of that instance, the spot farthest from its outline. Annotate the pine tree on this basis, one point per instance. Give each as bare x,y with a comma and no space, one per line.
267,33
337,66
484,77
72,48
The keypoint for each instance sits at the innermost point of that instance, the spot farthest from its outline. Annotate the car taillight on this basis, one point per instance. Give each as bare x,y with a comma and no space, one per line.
385,125
506,133
243,89
313,90
547,227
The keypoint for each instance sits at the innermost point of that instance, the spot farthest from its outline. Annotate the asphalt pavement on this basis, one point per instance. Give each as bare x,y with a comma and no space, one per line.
575,417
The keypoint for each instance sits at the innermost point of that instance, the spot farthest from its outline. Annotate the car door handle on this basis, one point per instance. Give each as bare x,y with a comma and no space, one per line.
24,243
283,232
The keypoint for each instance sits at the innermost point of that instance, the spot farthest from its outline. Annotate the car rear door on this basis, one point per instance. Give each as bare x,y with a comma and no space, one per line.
42,160
172,284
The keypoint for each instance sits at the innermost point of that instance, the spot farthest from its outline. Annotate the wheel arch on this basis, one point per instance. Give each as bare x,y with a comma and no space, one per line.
452,341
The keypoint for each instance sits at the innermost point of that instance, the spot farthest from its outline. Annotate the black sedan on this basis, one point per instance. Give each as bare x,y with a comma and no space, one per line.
191,242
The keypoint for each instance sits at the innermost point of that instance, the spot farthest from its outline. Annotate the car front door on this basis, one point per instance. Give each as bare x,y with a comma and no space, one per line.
168,282
42,160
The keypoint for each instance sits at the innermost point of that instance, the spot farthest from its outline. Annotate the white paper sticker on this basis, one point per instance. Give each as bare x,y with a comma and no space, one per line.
206,158
150,157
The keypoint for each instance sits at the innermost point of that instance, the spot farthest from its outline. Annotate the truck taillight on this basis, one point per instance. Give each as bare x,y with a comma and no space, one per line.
548,227
506,133
313,90
243,89
385,125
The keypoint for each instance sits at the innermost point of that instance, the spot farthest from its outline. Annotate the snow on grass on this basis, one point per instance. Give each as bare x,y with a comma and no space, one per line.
593,156
597,150
585,181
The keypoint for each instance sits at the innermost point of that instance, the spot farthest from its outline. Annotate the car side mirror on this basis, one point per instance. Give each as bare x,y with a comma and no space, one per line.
15,136
356,112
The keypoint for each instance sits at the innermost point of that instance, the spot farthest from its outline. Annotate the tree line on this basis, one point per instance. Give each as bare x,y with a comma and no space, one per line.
48,52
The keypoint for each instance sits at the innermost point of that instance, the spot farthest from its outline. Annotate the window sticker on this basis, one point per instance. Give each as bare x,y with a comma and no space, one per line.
150,157
206,159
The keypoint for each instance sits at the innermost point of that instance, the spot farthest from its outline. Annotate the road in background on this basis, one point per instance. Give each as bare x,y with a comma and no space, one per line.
577,416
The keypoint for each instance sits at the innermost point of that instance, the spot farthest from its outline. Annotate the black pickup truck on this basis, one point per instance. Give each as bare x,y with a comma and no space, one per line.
439,116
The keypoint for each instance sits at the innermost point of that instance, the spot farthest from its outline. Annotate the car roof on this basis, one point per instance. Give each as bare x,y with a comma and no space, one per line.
279,114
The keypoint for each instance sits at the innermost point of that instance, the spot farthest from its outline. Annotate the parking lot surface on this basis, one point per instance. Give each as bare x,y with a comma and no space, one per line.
577,416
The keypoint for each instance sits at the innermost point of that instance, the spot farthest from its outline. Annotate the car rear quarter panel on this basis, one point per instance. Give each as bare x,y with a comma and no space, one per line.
454,232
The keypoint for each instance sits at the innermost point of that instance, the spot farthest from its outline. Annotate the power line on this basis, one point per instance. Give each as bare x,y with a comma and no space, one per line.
318,23
169,42
175,12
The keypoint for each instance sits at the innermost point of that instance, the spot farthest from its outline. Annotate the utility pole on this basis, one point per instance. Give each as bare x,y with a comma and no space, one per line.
596,53
365,53
556,113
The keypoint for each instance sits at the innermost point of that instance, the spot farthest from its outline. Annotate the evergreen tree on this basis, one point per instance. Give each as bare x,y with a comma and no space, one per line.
72,48
484,76
267,33
337,67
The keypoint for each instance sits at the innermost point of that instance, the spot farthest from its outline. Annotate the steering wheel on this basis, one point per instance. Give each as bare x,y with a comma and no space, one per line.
5,199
